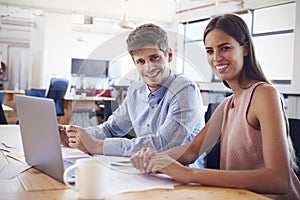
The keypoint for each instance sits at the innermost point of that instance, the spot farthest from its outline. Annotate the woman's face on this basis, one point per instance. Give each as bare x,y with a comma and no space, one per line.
153,66
225,55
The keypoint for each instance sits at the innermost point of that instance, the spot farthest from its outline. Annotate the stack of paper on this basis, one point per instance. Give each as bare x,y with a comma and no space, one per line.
125,178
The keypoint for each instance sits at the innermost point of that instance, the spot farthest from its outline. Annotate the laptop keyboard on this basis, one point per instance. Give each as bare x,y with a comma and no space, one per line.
67,163
71,175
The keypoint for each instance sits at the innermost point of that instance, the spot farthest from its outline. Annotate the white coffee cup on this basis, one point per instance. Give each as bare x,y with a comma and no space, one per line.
91,178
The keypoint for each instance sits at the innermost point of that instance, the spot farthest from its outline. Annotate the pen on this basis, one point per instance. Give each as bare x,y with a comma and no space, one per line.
6,146
5,150
121,164
62,130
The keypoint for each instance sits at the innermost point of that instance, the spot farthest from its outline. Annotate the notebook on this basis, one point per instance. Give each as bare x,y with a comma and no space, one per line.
40,136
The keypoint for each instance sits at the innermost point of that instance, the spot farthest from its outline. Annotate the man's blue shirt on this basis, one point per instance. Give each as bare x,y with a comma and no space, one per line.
168,117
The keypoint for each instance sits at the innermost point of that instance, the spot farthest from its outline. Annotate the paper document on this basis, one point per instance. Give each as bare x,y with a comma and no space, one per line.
68,152
125,178
9,168
118,163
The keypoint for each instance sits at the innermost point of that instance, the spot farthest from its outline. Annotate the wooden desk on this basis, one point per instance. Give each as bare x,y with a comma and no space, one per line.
9,100
10,95
79,103
13,189
7,110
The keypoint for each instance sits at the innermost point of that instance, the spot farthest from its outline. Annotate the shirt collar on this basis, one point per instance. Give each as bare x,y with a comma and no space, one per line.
162,89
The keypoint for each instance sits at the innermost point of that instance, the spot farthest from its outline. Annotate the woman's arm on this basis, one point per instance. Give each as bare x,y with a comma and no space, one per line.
188,153
274,178
265,112
204,140
184,154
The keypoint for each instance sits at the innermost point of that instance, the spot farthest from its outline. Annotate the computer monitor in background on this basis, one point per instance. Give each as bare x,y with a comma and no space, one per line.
90,68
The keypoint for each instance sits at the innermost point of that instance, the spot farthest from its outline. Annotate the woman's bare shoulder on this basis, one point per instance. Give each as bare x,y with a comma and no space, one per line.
266,99
266,91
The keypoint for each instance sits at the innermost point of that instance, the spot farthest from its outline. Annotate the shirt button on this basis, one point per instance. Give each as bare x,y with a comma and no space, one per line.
152,107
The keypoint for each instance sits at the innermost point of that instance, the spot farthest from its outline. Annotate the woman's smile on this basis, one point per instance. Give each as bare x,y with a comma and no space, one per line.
221,68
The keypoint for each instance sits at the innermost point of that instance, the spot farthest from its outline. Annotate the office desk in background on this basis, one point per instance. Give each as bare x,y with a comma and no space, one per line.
79,103
70,104
9,100
10,95
13,188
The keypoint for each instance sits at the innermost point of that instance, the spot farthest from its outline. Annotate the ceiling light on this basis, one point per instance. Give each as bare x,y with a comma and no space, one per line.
124,22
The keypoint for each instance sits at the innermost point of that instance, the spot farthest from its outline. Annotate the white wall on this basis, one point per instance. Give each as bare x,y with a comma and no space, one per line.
12,37
57,42
293,103
36,54
296,69
54,42
62,43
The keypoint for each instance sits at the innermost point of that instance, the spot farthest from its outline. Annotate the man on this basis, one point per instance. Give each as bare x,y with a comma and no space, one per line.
163,109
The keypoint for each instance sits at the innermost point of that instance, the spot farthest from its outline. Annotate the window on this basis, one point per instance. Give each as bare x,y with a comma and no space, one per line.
272,29
273,39
275,18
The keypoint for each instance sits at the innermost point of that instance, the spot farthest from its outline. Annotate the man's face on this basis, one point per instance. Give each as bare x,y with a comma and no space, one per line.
153,66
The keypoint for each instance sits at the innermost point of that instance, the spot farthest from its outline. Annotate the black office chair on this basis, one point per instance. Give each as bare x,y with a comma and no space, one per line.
210,109
109,107
35,92
57,90
2,94
213,157
2,115
295,136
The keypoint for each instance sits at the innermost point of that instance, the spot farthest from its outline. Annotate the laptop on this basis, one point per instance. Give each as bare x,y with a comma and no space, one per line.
40,136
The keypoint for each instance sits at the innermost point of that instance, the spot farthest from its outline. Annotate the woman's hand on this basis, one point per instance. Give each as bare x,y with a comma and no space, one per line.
141,158
147,161
163,163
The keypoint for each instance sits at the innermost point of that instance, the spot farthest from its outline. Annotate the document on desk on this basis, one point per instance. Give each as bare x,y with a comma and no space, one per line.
10,168
68,152
125,178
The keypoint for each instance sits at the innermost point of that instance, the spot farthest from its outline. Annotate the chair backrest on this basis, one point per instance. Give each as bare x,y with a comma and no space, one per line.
57,90
2,94
210,109
35,92
295,136
2,116
213,157
109,107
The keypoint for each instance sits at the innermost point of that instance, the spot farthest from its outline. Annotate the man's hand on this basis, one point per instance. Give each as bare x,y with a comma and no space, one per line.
64,140
79,138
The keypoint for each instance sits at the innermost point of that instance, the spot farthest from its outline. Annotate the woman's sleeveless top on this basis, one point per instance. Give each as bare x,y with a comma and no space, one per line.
241,144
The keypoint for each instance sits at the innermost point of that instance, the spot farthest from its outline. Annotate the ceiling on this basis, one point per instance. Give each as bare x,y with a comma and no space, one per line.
158,11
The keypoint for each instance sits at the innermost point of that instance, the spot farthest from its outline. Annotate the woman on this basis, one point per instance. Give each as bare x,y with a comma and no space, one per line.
251,124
